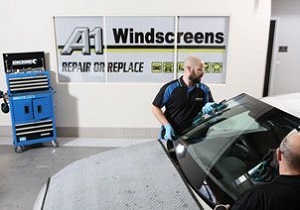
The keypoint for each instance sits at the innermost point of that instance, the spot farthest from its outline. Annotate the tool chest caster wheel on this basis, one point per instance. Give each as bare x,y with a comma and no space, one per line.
19,149
54,144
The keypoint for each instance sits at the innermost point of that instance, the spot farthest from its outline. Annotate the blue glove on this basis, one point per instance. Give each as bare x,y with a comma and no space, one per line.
208,109
197,119
169,132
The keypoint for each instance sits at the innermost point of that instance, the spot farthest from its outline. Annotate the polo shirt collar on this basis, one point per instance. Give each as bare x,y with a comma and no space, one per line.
181,82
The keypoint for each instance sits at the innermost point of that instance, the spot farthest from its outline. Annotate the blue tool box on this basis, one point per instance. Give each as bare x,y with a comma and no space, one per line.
30,97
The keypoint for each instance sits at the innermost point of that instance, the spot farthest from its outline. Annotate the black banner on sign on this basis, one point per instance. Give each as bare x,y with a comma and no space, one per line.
22,62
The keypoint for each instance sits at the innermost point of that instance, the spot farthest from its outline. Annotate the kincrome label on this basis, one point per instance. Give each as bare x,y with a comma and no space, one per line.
86,40
24,62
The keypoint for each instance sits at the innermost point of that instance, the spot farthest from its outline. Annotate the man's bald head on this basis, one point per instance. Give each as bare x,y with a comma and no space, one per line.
193,70
192,61
290,149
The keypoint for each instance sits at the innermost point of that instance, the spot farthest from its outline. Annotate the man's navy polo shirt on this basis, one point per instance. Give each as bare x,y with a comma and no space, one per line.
182,103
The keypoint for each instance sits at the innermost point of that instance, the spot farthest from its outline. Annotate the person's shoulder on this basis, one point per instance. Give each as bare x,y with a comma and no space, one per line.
263,185
248,198
264,188
173,82
259,188
202,85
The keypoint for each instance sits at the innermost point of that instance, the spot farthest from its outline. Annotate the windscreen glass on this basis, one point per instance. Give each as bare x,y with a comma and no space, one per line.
235,148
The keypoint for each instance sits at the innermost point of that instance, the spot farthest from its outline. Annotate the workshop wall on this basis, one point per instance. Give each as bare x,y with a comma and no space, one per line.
124,109
285,72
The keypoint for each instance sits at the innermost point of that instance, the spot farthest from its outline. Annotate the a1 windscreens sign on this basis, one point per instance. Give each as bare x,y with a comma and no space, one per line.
139,49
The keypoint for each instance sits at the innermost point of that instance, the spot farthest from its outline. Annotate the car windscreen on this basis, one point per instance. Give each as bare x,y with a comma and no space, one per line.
233,149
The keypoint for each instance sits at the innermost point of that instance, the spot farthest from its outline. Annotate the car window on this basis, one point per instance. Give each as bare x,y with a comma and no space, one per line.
241,122
219,135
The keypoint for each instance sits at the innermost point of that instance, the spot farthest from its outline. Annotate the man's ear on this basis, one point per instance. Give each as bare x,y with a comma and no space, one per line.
278,154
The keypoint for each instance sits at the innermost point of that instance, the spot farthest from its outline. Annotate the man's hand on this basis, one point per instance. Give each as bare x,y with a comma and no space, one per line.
169,132
208,108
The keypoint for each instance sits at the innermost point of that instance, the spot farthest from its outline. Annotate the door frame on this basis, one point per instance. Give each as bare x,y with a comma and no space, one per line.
269,57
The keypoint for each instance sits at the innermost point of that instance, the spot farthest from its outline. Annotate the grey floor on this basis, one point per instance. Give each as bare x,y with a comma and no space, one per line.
23,175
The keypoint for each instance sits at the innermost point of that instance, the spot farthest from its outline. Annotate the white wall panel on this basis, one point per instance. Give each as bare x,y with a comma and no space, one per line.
285,71
28,26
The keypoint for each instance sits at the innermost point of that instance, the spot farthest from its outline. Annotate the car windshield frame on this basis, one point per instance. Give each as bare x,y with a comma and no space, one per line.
221,155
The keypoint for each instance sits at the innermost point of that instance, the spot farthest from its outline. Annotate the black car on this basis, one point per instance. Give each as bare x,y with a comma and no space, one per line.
223,155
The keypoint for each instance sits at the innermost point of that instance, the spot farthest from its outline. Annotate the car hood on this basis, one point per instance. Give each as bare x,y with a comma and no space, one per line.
137,177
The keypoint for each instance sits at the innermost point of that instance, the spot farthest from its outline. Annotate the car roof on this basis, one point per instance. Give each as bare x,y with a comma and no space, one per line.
286,102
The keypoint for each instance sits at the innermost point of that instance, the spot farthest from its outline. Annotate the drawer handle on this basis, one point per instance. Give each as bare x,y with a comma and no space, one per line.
39,109
26,109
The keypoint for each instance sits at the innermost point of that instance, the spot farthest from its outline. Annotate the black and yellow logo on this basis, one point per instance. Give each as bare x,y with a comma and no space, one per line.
217,67
207,67
180,66
156,67
168,67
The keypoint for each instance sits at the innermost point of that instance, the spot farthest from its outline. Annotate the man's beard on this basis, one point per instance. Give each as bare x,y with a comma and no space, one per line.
195,79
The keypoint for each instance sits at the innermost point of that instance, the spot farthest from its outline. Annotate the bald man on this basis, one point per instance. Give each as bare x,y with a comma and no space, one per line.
283,193
182,99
